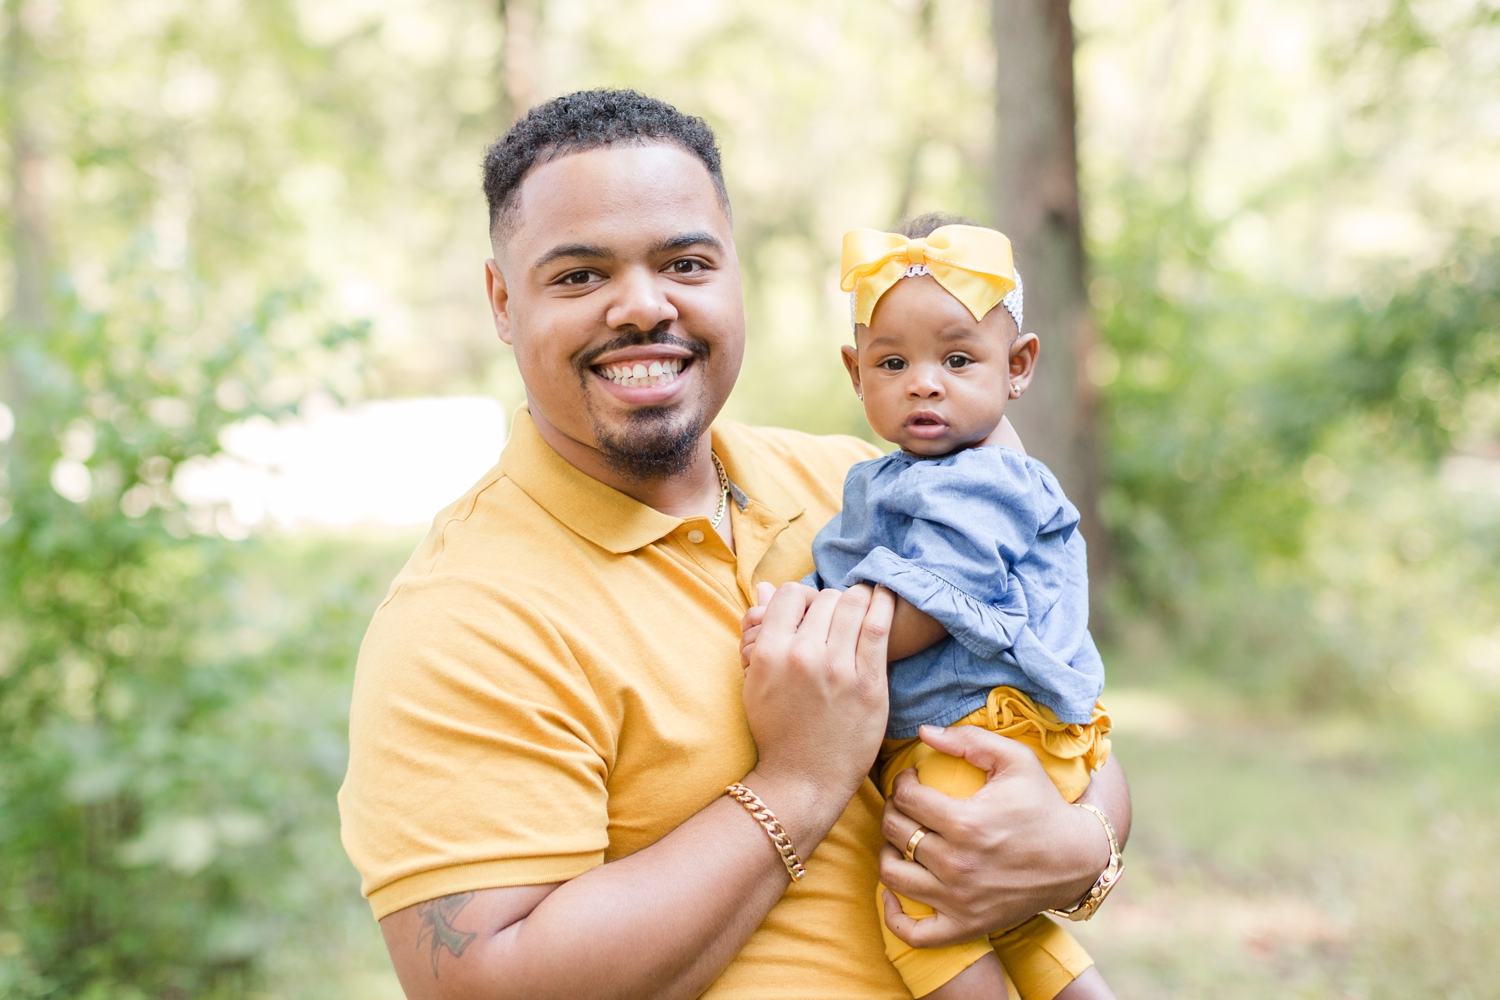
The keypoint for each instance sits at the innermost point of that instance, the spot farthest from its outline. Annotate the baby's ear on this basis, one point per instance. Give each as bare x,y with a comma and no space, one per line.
1023,355
851,364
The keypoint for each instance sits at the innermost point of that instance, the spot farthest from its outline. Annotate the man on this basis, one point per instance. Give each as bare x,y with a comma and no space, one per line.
549,705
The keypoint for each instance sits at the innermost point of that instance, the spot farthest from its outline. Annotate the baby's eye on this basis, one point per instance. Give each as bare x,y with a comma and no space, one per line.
957,361
893,364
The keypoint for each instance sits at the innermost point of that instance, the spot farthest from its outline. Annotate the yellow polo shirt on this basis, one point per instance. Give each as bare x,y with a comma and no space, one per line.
554,682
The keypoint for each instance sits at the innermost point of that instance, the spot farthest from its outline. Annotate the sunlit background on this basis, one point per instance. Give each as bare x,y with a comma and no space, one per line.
246,356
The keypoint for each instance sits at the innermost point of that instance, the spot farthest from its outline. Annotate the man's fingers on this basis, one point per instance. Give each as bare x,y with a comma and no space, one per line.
844,624
875,634
990,752
819,618
897,828
926,806
928,932
786,609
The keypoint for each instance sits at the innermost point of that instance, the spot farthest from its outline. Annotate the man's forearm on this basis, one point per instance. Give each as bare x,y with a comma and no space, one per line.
663,922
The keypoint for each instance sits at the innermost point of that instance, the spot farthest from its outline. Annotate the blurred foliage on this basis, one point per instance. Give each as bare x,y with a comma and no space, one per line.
1293,214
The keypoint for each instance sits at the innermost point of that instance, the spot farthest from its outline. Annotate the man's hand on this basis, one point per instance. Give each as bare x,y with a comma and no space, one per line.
911,630
816,697
1013,850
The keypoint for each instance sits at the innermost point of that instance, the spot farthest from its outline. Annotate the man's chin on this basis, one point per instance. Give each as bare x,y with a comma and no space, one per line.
650,443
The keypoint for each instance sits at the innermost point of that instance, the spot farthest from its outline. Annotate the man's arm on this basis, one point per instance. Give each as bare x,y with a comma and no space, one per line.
1014,849
665,921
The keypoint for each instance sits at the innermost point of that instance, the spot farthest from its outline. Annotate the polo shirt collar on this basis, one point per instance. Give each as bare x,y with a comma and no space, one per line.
609,518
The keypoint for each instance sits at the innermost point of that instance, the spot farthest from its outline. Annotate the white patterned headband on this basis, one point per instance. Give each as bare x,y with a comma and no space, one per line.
1012,301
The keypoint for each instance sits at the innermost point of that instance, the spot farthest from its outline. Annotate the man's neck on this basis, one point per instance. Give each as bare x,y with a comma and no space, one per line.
693,493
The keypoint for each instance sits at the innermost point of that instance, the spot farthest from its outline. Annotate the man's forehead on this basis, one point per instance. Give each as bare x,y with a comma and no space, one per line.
627,197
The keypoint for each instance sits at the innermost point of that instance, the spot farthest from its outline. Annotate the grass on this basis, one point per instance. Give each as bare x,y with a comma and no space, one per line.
1334,857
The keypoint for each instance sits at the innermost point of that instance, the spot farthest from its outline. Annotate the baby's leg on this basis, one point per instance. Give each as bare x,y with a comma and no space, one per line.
1089,986
955,972
984,980
1044,960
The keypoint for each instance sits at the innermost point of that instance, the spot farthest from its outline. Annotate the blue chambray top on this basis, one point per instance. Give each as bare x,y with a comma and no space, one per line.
984,541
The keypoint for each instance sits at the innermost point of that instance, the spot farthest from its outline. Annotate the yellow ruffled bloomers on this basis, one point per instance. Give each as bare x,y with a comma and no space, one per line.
1039,956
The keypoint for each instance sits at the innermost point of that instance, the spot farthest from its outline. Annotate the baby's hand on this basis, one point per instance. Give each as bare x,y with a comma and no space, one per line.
750,624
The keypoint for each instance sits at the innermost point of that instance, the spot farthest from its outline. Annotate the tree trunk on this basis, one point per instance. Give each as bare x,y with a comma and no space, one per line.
30,252
520,20
28,218
1037,206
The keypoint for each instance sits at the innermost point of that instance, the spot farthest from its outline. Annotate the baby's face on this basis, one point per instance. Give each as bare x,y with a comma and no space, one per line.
933,379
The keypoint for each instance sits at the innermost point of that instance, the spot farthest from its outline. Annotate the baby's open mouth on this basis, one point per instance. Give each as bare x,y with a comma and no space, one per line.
926,424
656,371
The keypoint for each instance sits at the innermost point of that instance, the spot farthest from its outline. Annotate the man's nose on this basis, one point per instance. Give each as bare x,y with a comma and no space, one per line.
640,301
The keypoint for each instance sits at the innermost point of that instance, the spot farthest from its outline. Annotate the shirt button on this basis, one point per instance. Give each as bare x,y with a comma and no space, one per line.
695,536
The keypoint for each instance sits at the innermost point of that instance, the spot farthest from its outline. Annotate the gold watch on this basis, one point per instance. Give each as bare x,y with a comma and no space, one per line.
1107,879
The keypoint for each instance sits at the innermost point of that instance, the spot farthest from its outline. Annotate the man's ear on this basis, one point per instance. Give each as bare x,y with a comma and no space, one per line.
850,355
1023,354
499,295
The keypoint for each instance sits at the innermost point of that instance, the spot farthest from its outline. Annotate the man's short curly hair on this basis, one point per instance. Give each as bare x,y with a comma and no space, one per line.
590,119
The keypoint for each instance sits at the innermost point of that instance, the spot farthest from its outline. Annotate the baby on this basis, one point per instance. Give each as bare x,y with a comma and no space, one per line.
980,546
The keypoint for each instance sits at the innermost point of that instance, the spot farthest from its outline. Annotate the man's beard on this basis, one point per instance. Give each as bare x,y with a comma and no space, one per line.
659,442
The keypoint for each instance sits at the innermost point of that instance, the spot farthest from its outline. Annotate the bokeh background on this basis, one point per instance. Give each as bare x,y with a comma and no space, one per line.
242,296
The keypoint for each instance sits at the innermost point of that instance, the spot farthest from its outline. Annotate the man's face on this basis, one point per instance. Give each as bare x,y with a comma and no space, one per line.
616,281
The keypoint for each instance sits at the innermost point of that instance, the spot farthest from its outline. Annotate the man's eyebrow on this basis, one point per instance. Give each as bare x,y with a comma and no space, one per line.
698,238
586,251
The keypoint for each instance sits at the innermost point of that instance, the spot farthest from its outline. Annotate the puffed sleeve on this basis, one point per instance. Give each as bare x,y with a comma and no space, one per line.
956,528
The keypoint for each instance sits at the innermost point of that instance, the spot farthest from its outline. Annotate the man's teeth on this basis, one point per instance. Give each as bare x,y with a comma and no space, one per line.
639,373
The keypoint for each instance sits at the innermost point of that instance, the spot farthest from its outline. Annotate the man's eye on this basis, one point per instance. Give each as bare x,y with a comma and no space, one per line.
686,266
958,361
577,278
893,364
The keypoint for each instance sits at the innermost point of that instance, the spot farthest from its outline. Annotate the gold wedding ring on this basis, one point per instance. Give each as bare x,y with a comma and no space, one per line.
911,845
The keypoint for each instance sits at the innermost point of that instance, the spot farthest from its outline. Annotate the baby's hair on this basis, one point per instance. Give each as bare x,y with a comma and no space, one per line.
922,226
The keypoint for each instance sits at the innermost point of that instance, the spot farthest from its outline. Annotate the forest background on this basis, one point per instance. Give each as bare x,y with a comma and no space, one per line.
224,210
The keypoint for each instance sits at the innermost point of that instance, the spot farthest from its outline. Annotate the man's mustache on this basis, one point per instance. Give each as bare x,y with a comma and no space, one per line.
638,338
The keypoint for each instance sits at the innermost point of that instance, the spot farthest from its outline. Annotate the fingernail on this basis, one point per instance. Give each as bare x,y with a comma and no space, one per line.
933,730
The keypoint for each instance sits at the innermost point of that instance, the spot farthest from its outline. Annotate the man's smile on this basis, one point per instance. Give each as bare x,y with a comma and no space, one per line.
645,374
655,371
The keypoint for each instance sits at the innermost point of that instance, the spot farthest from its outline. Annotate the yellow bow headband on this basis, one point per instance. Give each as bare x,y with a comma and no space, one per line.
973,264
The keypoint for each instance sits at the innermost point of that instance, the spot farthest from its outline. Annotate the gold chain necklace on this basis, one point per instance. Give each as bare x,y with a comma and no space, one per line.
713,522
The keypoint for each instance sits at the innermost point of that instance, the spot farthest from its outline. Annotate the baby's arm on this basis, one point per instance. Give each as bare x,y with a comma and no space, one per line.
911,630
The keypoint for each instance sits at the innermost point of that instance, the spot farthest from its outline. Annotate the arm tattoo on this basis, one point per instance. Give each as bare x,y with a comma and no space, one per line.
437,924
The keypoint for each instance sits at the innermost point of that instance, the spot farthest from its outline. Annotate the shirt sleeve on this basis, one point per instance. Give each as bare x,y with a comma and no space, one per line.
478,752
957,530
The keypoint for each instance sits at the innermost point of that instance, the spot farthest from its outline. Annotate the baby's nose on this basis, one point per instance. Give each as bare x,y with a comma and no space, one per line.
925,385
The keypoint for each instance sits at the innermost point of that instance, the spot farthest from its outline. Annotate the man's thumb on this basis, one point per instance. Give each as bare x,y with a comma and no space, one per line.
990,752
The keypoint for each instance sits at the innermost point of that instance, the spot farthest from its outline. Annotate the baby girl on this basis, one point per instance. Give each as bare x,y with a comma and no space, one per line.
981,547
